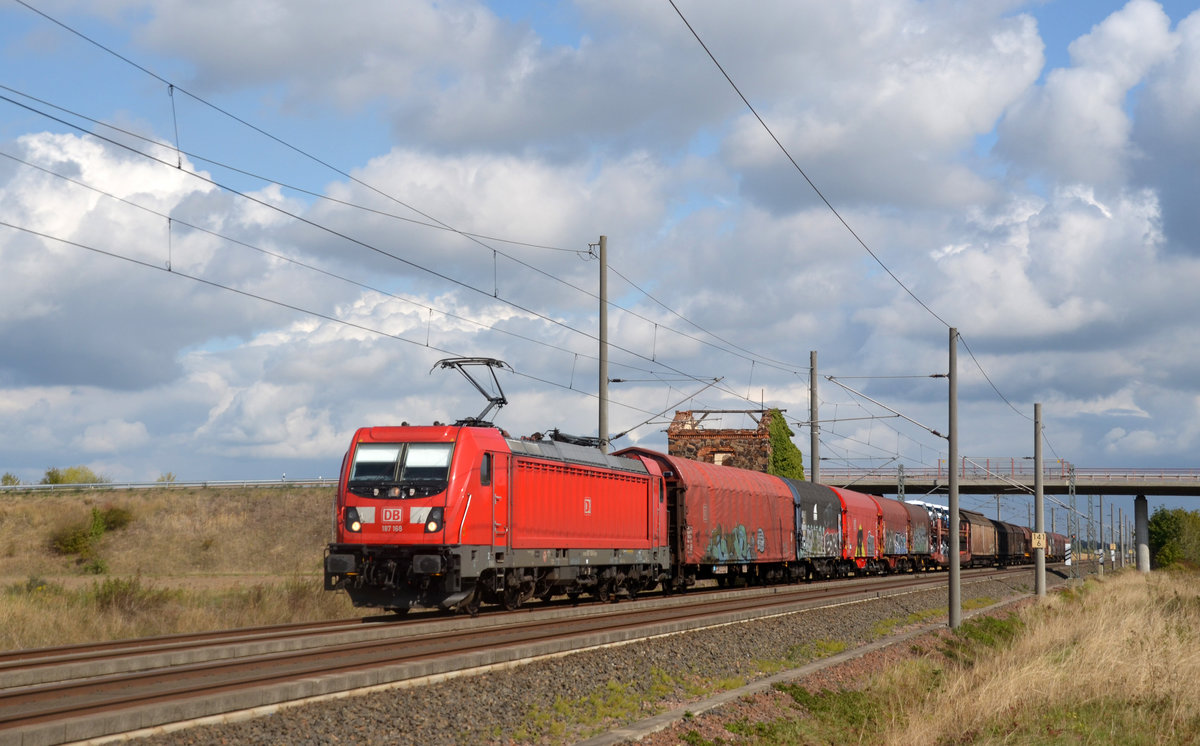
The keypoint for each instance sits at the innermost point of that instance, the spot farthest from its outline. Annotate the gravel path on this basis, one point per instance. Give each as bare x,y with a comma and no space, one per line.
572,698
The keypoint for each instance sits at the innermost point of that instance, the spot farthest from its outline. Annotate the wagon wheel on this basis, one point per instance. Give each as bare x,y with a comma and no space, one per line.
573,597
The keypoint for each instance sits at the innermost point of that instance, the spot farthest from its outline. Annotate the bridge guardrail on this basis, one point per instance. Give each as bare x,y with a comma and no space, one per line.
1082,476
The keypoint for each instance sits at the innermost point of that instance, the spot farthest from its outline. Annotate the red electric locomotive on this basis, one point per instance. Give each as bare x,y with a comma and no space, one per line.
452,516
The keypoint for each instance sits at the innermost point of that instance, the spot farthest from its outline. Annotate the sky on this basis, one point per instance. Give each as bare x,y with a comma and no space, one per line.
231,234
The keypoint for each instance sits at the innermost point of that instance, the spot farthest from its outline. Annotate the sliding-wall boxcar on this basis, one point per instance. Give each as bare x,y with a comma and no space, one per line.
861,548
818,529
725,522
893,529
920,526
981,545
1056,547
1011,543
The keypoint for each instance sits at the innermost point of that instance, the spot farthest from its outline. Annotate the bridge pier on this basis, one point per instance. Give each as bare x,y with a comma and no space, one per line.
1141,529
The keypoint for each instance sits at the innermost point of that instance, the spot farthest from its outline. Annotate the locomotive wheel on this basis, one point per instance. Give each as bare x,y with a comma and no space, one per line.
603,591
399,611
471,604
512,598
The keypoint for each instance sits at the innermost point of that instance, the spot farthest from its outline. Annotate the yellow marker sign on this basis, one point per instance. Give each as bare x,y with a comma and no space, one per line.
1039,540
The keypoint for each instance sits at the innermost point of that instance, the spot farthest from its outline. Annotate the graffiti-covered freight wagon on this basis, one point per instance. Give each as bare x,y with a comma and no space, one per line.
730,523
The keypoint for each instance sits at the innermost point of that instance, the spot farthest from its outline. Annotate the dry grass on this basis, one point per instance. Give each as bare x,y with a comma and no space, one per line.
1109,662
1115,661
187,560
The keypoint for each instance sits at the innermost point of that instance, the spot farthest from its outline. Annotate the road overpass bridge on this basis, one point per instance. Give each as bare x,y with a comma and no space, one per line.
1016,476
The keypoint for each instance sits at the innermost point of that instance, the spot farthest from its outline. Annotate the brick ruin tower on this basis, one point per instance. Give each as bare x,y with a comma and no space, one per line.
744,448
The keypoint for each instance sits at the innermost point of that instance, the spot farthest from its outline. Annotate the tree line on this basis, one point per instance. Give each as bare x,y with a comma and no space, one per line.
1174,538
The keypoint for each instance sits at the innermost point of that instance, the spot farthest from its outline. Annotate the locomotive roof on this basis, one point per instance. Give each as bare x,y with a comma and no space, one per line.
559,451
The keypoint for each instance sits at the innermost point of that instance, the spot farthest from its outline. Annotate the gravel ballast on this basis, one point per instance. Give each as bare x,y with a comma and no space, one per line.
595,690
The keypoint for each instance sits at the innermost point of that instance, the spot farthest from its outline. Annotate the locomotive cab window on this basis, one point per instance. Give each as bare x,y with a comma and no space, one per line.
485,470
375,461
400,469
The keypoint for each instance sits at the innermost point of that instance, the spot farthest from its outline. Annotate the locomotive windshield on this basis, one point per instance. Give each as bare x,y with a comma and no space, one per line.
400,469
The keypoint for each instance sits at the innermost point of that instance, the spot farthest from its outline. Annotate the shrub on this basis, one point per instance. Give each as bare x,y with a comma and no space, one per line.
128,596
80,538
115,518
73,475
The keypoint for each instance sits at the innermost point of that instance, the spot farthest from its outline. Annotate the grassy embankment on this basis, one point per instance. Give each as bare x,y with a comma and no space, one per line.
1110,662
99,565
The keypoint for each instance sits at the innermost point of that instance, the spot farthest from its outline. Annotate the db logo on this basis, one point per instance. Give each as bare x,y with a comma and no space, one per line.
587,506
393,515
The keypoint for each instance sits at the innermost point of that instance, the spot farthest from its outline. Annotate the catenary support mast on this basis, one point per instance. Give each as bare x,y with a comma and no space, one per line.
955,570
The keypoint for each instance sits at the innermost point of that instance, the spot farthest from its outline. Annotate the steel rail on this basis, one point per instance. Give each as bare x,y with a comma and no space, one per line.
91,705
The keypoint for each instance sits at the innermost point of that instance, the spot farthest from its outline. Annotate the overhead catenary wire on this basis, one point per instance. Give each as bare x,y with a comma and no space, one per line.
175,272
749,355
290,260
476,238
358,242
828,204
754,358
801,171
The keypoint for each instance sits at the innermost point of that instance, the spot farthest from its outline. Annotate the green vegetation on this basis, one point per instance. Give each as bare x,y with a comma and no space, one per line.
786,458
885,627
73,475
9,480
80,538
1175,538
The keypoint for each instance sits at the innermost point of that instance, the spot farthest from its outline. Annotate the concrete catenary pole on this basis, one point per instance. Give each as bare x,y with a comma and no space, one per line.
952,428
1119,527
814,427
1039,504
1103,547
603,396
1112,538
1141,526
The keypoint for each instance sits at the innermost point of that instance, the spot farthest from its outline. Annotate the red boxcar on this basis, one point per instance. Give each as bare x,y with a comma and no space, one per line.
860,530
1056,547
893,527
731,521
453,516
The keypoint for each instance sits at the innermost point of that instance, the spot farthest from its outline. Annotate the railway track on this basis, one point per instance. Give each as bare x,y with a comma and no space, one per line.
84,692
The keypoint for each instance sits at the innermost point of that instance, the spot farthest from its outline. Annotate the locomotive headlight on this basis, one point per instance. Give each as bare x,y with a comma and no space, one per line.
352,522
433,522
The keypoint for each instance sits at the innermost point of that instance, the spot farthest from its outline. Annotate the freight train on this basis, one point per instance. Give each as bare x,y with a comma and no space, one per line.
455,516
